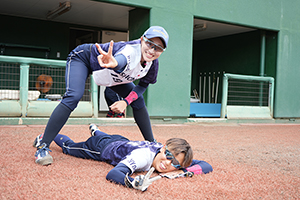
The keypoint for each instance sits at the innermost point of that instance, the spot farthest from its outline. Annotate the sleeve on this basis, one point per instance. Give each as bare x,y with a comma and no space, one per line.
151,76
118,173
199,167
139,159
122,62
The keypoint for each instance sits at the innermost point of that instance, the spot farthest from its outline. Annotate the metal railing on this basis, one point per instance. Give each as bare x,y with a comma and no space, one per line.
244,90
26,70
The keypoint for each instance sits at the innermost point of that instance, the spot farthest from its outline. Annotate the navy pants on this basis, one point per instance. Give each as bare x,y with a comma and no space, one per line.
110,96
92,148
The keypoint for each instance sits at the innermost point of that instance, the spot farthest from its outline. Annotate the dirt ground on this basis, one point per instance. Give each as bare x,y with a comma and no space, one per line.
250,161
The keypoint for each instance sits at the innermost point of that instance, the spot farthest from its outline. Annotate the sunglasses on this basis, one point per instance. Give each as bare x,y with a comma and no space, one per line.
151,45
170,156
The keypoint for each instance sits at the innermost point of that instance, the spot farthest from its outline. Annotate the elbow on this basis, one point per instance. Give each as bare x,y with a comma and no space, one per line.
109,176
208,168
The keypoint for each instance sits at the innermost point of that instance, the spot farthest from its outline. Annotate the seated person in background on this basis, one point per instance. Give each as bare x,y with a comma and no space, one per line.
176,156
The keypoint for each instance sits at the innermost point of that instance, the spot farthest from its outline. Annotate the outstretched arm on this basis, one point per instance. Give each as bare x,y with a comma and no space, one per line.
197,167
119,174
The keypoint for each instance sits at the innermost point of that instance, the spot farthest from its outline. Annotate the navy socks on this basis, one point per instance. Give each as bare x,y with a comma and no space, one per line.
57,120
142,119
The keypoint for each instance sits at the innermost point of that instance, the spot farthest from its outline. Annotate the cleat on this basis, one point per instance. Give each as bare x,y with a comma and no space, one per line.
93,128
120,115
38,140
42,155
110,114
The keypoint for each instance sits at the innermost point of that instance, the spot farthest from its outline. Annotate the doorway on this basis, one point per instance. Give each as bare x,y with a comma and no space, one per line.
220,48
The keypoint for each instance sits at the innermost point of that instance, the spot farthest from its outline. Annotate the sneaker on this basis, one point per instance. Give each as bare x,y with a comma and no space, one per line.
42,155
120,115
110,114
93,128
38,140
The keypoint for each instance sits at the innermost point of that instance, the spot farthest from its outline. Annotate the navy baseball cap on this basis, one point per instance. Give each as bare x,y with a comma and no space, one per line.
157,31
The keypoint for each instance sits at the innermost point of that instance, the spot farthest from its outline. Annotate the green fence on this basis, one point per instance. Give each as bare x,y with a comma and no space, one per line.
24,91
247,96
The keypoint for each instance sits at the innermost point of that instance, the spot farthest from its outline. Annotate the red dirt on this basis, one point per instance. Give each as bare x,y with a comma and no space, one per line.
250,161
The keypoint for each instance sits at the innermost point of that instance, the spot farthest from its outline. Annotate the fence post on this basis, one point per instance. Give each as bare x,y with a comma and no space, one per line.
94,88
224,96
271,96
262,64
24,79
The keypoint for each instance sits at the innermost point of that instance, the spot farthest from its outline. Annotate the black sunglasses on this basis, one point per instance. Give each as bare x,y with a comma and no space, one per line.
171,157
156,47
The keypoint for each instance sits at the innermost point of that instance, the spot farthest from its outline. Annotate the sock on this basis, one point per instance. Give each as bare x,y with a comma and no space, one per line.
61,139
142,119
57,120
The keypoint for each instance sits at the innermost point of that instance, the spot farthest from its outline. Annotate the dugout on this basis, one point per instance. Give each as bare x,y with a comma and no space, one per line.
220,48
275,22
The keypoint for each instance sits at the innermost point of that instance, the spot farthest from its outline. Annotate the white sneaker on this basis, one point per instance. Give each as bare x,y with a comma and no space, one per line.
42,155
38,140
93,128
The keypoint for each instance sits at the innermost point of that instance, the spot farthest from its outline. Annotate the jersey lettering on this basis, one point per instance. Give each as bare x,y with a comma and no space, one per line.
132,164
127,77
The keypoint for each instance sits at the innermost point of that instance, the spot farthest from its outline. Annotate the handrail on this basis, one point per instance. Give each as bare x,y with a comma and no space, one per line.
228,76
35,61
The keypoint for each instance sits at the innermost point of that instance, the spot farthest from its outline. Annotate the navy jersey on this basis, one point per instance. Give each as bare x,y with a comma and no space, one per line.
131,50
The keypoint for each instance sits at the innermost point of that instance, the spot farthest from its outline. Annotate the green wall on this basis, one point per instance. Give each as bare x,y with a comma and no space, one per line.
172,90
238,54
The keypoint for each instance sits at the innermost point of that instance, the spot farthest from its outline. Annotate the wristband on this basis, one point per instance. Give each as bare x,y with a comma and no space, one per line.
131,97
195,168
